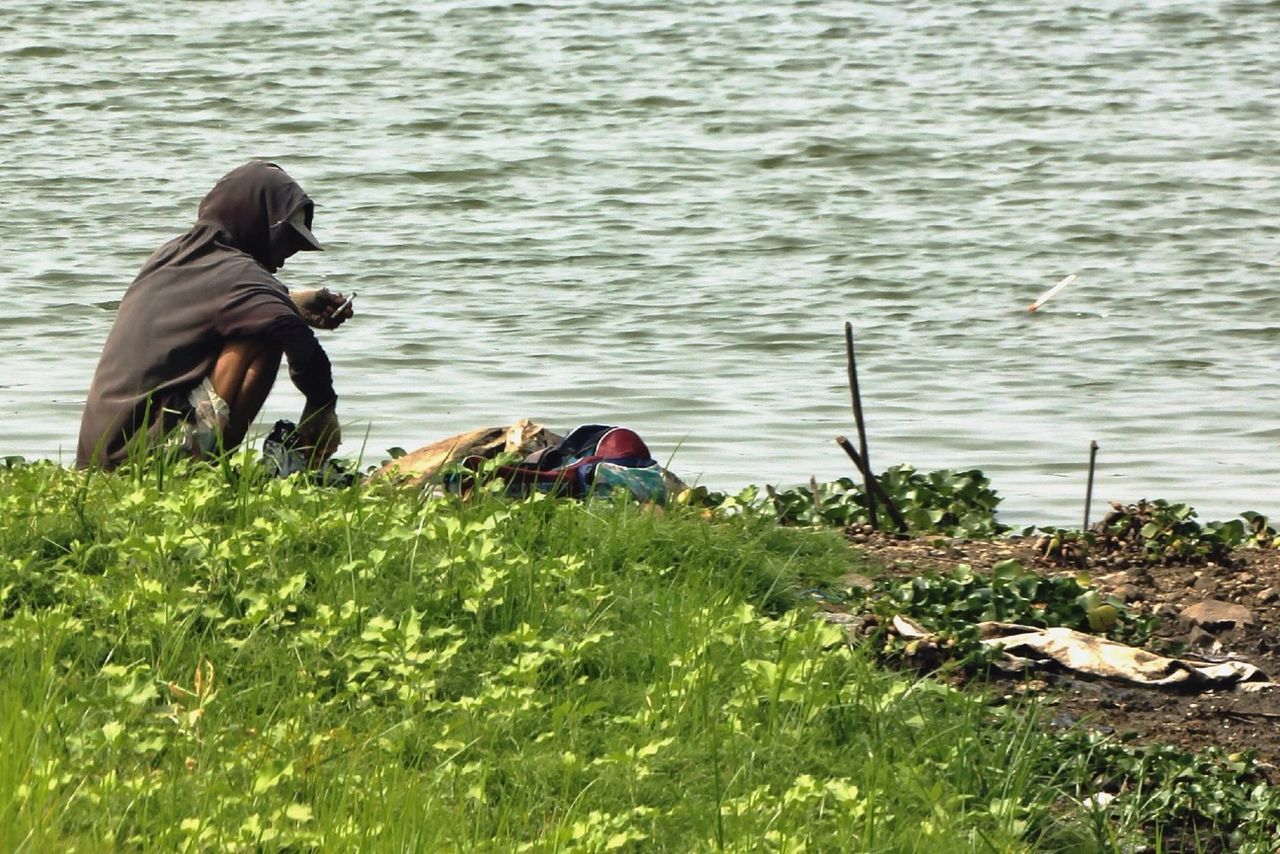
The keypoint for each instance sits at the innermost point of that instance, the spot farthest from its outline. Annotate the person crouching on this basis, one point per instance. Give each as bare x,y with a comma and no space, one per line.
200,333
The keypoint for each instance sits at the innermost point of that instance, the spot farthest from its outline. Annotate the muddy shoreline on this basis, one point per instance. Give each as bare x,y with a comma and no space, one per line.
1234,721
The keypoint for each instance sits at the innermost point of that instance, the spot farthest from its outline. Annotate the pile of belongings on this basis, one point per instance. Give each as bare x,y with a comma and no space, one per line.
590,460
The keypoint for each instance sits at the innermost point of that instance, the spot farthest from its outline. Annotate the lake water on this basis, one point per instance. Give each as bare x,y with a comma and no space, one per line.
661,214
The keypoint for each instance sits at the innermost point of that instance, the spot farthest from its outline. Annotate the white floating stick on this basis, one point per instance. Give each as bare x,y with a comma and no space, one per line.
1052,292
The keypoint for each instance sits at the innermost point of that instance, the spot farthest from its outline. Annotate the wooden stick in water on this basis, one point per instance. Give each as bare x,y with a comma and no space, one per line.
1051,293
867,477
1088,492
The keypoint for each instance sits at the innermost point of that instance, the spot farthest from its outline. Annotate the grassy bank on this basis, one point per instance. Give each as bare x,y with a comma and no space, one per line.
194,659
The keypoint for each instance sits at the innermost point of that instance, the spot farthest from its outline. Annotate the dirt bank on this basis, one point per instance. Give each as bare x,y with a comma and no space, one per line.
1234,721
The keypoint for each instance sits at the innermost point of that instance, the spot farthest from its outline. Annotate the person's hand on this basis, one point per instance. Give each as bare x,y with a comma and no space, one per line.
323,308
319,434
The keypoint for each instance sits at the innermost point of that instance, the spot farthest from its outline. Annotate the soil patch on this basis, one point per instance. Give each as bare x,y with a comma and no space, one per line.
1242,619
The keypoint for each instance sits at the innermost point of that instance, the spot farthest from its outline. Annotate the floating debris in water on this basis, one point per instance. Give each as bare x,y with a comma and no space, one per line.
1052,292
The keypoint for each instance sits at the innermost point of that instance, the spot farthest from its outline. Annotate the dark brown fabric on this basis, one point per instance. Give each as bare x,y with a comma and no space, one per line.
195,293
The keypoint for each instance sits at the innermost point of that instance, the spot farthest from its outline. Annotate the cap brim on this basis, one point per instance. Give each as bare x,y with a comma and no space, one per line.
310,244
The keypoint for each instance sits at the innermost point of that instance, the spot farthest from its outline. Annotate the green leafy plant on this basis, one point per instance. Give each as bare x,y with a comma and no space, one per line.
1161,532
946,502
1063,546
1258,532
949,502
1154,532
951,604
1207,799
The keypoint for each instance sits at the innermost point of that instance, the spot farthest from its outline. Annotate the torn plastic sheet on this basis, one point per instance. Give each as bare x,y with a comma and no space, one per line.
1095,656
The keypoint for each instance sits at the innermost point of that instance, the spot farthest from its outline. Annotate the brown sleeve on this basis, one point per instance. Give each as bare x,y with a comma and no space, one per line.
264,313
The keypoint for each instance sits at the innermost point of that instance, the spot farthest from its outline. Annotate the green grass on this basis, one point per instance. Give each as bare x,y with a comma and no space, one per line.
198,660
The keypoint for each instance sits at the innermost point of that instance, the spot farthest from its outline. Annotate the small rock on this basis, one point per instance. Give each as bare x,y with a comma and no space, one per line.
1129,592
1214,615
1267,594
1245,578
1199,638
1205,584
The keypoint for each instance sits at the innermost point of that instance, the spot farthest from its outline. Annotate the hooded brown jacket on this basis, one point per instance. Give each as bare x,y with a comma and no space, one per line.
193,295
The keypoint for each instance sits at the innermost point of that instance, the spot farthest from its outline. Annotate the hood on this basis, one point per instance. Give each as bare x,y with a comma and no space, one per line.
251,204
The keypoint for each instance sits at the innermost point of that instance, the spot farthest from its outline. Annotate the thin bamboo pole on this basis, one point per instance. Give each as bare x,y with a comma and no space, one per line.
867,477
1088,492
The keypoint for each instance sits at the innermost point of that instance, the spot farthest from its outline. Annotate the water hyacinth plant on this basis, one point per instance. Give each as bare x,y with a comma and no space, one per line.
1153,533
951,605
946,502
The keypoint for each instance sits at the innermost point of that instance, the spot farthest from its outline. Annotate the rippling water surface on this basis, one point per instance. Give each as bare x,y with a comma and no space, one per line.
661,214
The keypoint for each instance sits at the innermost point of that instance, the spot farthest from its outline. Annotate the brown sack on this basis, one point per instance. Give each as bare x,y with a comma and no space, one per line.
422,465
